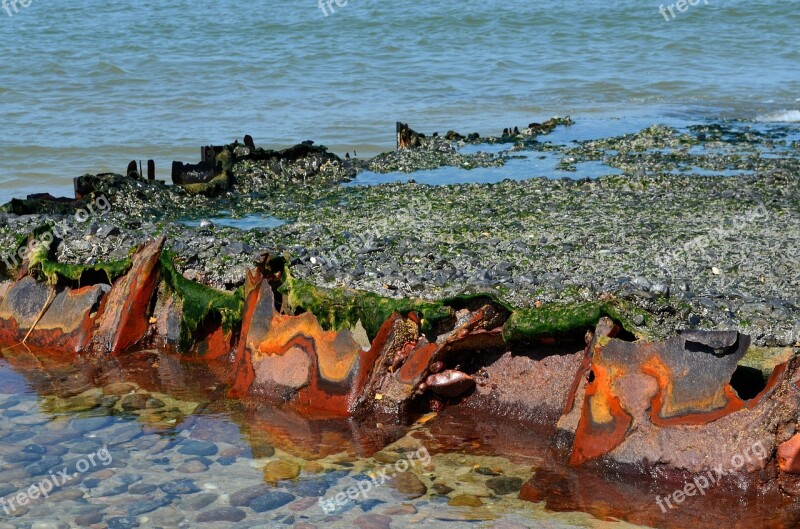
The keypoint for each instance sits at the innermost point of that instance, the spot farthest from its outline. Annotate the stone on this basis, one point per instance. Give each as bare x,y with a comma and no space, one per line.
122,522
270,501
180,486
134,402
141,507
245,496
441,489
465,500
280,469
88,519
223,514
504,485
194,466
409,485
192,447
198,502
372,521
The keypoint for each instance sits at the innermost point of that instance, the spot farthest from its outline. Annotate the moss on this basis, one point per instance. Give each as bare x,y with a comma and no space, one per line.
341,308
200,301
58,272
213,187
555,319
54,273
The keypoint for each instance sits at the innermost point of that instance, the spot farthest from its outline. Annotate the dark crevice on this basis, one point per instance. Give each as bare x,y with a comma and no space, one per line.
748,382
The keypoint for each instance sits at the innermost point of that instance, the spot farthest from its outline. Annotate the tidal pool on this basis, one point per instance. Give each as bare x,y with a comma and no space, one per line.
149,440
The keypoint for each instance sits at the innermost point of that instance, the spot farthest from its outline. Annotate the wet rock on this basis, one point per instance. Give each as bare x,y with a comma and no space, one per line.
270,501
197,448
409,485
243,497
504,485
441,489
279,470
180,487
465,500
223,514
372,521
194,466
198,502
134,402
310,487
141,507
122,522
88,519
141,488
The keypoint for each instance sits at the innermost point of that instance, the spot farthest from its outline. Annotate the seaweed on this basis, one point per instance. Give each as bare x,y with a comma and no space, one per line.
342,308
200,301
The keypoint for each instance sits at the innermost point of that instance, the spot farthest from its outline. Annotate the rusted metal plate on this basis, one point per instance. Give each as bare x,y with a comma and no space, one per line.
124,316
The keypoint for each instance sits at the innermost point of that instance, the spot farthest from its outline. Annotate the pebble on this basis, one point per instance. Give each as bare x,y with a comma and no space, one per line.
180,486
372,521
279,470
142,507
223,514
270,501
310,487
88,519
244,496
504,485
409,485
198,502
192,447
465,500
122,522
142,488
194,466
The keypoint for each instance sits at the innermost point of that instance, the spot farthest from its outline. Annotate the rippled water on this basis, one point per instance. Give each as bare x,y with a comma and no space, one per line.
88,86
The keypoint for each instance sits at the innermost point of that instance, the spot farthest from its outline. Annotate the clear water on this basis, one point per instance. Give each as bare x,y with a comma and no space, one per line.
247,222
88,86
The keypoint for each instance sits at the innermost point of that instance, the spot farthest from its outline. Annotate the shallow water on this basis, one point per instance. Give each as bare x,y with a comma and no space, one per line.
151,441
88,86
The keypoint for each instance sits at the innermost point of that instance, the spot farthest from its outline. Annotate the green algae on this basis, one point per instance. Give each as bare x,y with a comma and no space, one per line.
200,301
342,308
55,273
554,319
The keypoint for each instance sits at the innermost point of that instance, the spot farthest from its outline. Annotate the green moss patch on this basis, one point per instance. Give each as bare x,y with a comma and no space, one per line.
342,308
200,301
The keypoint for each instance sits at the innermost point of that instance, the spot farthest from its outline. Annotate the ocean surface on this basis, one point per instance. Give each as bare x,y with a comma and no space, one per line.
88,86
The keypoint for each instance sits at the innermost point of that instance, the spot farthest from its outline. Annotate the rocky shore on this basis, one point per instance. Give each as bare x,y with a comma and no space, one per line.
646,321
705,252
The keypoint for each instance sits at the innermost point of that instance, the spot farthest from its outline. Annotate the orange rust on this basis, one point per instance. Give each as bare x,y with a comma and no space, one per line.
412,371
243,374
124,320
603,424
583,369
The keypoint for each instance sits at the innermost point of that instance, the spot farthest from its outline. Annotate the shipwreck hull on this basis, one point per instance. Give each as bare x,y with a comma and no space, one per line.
605,397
